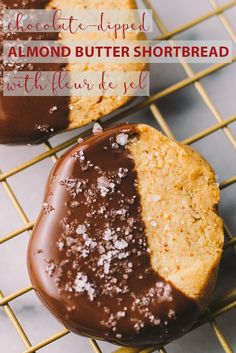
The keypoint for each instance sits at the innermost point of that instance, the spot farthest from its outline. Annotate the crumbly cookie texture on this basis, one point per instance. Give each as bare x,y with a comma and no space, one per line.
179,197
83,110
128,242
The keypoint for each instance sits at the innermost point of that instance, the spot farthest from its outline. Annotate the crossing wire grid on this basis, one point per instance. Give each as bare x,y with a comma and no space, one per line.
220,306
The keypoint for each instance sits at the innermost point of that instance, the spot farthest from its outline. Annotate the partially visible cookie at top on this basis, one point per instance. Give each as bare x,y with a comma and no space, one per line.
29,120
128,242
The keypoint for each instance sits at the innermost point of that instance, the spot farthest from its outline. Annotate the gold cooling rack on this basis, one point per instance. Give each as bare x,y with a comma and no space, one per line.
228,300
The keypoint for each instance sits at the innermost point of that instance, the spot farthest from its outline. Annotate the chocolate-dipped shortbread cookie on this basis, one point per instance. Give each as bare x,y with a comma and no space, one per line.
128,242
30,120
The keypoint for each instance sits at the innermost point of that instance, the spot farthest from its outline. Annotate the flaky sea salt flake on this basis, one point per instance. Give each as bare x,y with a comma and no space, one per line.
122,139
50,268
82,285
81,229
103,185
120,244
107,235
97,128
53,109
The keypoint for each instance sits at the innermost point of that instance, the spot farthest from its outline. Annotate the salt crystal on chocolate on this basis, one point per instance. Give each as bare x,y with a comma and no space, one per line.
122,139
97,128
60,245
107,235
120,244
53,109
47,208
82,285
122,172
69,241
103,185
81,229
50,268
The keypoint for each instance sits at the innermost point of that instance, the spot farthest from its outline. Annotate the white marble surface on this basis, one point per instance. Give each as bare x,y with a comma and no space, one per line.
186,114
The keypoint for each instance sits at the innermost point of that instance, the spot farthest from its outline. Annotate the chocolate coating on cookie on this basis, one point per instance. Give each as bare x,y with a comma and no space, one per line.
29,120
88,257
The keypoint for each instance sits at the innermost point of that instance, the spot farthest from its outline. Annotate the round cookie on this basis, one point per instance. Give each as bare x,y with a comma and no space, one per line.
128,242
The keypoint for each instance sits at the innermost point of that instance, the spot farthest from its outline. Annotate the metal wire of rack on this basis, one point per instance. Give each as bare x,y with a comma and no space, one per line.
226,302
